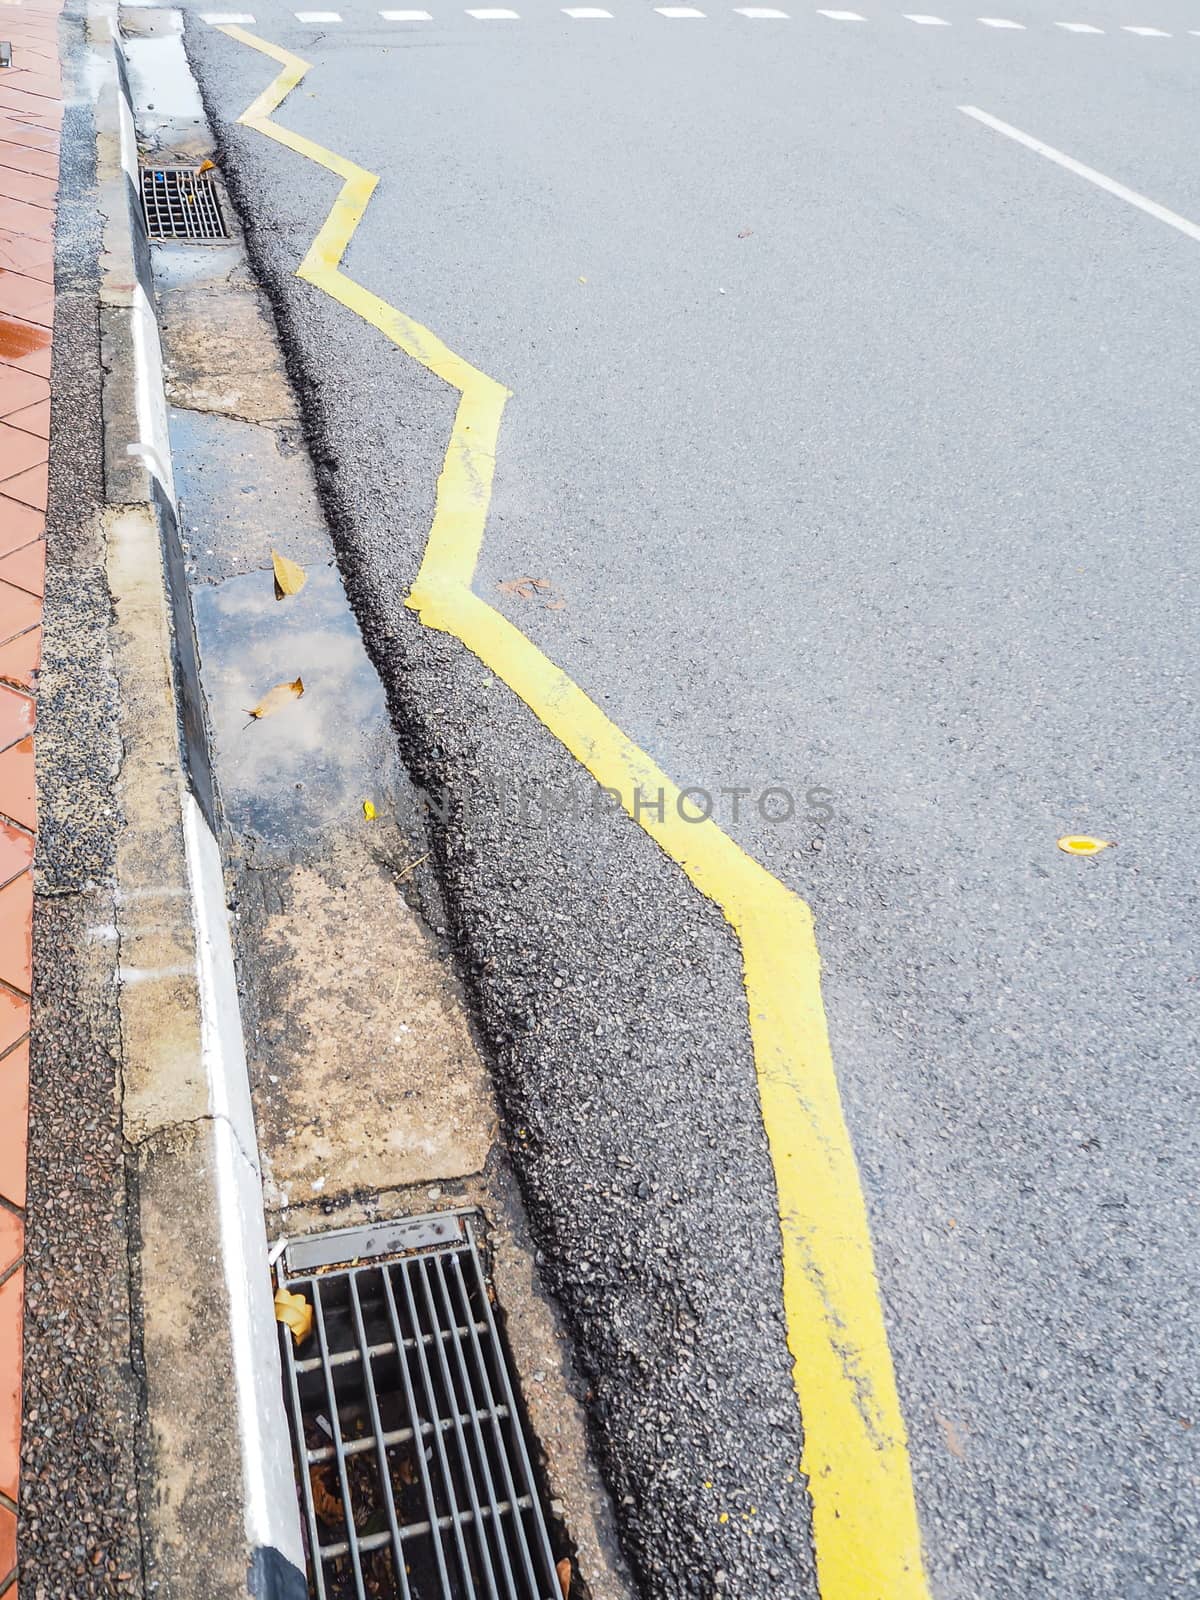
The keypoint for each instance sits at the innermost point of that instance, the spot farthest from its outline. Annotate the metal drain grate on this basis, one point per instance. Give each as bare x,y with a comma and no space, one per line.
181,203
414,1470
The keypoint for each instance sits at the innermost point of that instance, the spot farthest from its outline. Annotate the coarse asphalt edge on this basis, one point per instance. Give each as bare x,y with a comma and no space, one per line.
218,1501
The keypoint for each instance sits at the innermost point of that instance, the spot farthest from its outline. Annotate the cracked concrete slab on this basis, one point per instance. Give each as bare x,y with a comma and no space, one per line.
213,336
366,1076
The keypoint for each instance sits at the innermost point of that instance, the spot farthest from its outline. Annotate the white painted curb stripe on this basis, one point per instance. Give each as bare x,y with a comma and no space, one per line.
129,151
154,440
268,1484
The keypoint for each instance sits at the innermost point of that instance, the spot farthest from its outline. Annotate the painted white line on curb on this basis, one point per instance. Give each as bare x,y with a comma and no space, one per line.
267,1481
586,13
1109,185
406,16
494,15
678,11
1078,27
1147,33
999,22
926,22
761,12
153,444
317,16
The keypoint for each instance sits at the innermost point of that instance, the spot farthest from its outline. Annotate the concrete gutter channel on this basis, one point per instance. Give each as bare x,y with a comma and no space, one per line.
306,1061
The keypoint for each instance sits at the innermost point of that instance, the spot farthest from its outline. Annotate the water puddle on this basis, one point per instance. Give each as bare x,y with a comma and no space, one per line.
161,80
301,774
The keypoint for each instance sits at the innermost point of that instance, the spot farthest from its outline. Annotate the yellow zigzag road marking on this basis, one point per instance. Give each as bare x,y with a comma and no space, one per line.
855,1451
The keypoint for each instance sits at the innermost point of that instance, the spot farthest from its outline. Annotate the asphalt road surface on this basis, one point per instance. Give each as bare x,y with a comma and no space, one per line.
854,441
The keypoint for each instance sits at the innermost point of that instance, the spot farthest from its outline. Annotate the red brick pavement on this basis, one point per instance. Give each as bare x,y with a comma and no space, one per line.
30,118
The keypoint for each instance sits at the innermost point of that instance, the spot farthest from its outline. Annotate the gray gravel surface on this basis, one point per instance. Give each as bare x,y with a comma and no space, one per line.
79,1518
890,494
78,1532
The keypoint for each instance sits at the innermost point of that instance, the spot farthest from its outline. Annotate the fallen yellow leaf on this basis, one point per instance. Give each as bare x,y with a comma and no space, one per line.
206,165
289,578
326,1504
1080,844
563,1571
369,810
276,698
294,1311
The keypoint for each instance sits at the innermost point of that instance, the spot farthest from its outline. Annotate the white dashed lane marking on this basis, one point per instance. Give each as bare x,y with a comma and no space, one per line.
689,13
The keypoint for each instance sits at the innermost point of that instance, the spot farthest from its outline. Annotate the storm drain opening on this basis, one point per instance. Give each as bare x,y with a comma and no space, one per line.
181,203
414,1468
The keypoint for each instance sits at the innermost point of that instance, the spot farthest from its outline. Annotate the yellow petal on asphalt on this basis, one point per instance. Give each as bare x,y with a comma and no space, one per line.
289,578
276,698
294,1311
1081,844
368,811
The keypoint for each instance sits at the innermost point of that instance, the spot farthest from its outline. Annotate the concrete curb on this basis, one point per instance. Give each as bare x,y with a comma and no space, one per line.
218,1500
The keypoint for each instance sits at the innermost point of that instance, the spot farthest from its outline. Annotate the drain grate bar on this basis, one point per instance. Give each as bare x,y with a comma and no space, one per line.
377,1541
416,1477
378,1432
335,1421
344,1358
356,1447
